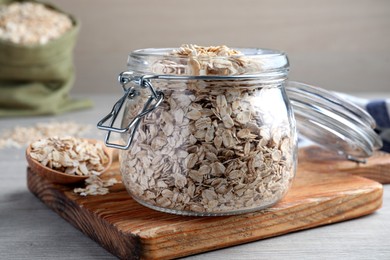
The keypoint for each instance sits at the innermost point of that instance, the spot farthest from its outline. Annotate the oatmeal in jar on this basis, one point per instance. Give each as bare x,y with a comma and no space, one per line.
220,140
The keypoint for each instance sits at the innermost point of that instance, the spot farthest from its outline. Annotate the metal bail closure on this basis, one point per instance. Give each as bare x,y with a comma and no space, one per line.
151,104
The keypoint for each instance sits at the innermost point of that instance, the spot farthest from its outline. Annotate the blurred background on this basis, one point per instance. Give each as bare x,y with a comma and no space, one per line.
338,45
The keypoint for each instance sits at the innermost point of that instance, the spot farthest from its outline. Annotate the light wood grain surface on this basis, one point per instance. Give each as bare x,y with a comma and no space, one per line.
132,231
340,45
29,230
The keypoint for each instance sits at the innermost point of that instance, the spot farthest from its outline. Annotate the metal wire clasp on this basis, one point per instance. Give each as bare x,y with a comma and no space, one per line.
151,104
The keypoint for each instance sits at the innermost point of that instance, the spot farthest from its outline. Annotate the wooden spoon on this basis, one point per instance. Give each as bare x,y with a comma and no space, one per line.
61,177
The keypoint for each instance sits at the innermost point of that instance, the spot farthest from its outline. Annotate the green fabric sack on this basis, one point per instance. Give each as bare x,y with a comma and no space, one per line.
36,79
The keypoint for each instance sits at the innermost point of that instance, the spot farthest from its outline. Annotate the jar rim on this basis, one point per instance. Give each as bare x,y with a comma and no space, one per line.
142,61
244,51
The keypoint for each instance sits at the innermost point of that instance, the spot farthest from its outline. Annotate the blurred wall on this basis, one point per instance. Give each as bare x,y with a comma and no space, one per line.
342,45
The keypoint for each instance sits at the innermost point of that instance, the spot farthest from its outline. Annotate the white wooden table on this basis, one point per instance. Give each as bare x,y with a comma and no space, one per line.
29,230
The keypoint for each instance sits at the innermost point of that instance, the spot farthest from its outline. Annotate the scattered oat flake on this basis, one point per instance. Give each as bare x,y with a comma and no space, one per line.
21,136
96,186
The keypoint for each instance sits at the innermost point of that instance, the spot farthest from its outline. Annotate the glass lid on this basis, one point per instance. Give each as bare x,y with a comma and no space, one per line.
332,122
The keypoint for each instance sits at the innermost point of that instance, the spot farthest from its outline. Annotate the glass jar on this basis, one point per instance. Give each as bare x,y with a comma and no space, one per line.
209,133
220,141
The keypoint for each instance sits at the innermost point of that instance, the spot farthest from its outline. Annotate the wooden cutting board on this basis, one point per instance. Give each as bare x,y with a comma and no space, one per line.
323,192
